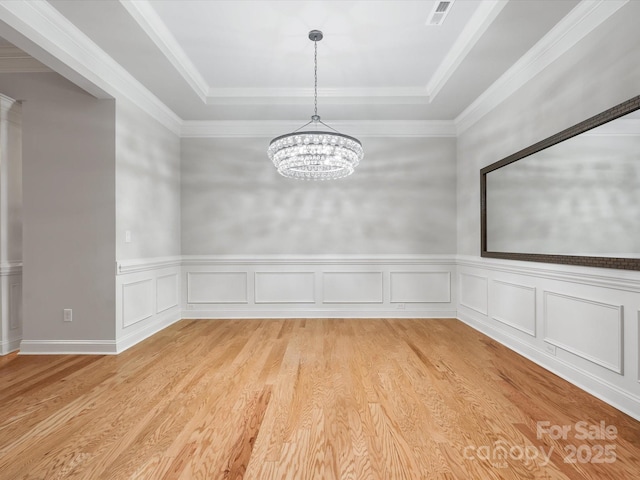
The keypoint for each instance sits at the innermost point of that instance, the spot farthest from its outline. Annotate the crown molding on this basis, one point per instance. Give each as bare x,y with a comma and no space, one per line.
59,44
329,96
151,23
14,60
363,128
480,21
577,24
37,28
325,92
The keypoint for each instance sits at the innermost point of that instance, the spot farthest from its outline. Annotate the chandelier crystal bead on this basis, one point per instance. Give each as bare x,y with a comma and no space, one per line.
315,155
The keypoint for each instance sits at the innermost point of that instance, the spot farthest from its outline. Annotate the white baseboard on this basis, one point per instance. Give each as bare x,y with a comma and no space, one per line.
68,347
97,347
9,346
315,313
605,391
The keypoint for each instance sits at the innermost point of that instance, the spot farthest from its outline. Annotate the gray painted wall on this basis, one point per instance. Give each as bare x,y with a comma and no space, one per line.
68,208
401,200
148,185
601,71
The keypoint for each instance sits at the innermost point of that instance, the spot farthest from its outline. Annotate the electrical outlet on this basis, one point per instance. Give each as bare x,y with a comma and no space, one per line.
68,315
400,306
127,236
551,349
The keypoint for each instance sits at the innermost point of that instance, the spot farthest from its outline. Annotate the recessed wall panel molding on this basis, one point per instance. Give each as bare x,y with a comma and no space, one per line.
474,292
352,287
217,287
166,292
514,305
285,287
420,287
148,299
589,329
137,302
318,286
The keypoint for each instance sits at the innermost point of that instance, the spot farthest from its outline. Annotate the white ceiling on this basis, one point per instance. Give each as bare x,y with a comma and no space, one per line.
241,63
252,60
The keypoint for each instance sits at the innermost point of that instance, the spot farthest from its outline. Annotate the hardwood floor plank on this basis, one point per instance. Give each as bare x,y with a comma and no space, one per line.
304,399
243,447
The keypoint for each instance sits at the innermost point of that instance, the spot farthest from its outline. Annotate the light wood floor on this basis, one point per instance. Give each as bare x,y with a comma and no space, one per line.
304,399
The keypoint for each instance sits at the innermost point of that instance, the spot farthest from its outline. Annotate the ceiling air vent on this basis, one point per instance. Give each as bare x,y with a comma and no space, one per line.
439,12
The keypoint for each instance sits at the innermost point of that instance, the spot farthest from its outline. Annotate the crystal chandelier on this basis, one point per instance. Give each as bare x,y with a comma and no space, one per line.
315,154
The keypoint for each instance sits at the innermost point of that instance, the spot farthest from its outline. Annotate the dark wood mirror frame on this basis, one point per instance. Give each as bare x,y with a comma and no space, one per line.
603,262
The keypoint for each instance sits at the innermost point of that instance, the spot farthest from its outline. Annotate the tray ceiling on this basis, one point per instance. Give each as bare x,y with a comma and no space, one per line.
252,60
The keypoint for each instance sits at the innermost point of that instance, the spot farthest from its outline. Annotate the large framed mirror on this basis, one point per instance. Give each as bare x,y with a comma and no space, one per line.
573,198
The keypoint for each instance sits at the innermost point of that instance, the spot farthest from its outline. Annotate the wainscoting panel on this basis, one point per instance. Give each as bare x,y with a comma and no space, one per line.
420,287
217,287
583,326
147,300
285,287
167,292
474,292
513,305
311,286
589,329
352,287
137,302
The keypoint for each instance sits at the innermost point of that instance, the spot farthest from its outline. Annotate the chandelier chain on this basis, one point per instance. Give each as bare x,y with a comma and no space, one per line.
317,154
315,76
